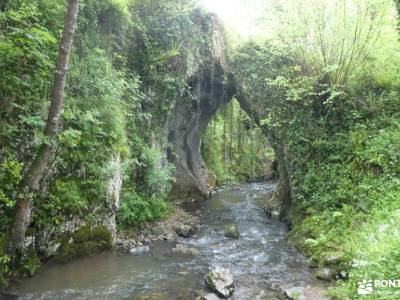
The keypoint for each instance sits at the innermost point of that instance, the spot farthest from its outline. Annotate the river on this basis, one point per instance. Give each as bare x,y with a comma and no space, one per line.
258,260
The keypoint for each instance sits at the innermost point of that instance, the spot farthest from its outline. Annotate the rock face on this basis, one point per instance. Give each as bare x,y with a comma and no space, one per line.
220,281
210,86
232,231
114,187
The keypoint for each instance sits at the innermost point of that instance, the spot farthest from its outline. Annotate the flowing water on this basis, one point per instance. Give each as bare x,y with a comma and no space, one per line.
260,258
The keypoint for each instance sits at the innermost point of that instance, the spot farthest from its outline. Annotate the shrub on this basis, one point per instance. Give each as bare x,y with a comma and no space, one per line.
138,209
10,177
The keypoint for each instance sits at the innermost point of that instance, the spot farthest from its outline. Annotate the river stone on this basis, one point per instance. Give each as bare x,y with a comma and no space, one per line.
232,231
325,274
185,249
185,230
295,293
220,280
139,250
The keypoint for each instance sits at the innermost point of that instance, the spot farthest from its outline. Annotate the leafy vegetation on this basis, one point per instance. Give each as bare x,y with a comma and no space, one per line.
120,86
323,85
244,152
337,119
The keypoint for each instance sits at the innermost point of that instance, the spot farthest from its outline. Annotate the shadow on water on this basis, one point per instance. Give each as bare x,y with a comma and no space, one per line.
260,258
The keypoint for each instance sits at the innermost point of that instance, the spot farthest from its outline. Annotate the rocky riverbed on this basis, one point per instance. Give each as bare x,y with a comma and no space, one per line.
170,259
180,223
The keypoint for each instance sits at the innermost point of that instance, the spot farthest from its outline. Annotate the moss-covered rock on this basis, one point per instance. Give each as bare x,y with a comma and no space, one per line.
232,231
84,242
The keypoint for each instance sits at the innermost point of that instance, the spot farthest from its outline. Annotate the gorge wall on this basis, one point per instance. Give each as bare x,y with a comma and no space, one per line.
211,86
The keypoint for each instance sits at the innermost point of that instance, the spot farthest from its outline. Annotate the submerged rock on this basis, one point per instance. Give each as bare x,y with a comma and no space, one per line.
232,231
185,249
295,293
139,250
220,280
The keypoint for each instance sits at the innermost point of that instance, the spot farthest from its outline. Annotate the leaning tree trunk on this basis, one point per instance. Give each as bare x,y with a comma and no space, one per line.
33,176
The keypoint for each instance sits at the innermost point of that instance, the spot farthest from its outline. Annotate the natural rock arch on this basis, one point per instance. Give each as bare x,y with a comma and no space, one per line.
187,124
213,89
211,85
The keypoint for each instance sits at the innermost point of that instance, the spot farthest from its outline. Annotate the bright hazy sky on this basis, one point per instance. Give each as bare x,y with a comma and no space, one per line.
239,15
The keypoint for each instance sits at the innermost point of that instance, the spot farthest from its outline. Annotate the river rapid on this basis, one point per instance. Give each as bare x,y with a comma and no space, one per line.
259,260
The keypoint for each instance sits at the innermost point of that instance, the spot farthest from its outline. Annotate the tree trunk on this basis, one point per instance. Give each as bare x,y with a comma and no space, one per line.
33,176
284,191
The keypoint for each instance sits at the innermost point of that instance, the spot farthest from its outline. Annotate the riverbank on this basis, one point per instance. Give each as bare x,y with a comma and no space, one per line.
263,265
179,223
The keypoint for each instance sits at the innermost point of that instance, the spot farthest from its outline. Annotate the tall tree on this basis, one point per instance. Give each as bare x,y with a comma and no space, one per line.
35,173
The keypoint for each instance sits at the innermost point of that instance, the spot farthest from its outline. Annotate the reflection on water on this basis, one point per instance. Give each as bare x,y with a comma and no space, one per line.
257,260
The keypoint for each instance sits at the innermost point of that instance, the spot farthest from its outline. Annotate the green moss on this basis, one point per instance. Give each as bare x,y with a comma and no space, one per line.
84,242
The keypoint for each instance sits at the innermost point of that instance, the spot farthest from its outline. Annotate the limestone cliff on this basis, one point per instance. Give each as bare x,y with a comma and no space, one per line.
210,86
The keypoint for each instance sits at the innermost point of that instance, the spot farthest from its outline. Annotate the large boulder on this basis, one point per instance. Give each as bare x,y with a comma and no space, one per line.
220,281
232,231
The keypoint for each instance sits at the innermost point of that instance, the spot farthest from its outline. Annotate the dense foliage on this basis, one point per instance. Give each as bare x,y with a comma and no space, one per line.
324,87
235,149
338,121
123,79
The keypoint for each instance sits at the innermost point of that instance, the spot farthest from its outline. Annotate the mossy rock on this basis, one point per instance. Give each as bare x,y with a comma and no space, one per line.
84,242
232,231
